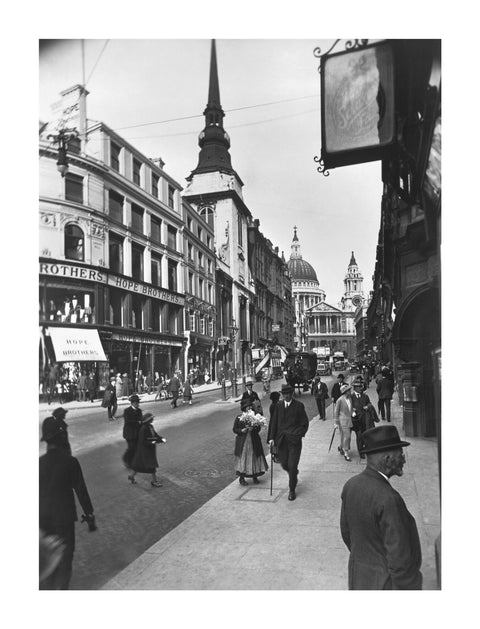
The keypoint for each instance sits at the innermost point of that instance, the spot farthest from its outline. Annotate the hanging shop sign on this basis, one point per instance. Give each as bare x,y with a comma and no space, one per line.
75,344
358,105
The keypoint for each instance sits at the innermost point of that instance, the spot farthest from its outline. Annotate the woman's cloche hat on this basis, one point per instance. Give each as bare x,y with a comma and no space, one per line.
344,388
148,417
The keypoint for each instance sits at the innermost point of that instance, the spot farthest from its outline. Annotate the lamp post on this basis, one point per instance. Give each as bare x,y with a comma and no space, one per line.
62,139
233,335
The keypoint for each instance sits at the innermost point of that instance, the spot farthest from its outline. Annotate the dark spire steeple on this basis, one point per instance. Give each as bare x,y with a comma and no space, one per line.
213,140
352,261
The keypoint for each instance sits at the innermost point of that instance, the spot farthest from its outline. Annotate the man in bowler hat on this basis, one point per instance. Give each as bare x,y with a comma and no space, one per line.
60,414
375,523
288,426
132,420
60,478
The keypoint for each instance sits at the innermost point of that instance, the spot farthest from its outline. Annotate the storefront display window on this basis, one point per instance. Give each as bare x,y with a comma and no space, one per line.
68,306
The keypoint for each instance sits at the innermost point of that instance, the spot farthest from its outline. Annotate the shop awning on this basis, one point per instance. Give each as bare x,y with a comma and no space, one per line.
76,344
263,363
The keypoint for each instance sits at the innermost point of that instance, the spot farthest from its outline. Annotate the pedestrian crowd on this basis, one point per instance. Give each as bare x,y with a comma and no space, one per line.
376,526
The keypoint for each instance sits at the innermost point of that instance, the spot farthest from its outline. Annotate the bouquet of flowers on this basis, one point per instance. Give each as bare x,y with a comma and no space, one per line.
253,420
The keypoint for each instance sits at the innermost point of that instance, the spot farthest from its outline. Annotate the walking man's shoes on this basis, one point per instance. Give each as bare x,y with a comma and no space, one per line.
291,495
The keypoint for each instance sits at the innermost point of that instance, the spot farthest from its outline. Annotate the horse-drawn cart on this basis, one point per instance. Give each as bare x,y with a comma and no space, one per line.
299,369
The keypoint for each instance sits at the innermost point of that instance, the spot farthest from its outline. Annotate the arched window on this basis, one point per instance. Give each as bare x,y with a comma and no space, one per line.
207,213
74,242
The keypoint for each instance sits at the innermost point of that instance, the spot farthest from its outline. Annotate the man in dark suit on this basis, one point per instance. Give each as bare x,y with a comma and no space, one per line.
132,420
375,523
289,426
336,387
320,391
360,402
60,476
60,415
385,393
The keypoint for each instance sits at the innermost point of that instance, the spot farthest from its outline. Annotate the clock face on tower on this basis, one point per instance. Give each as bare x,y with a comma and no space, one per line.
357,300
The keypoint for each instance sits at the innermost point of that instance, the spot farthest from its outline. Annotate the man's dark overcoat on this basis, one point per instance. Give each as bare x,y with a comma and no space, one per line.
291,423
380,534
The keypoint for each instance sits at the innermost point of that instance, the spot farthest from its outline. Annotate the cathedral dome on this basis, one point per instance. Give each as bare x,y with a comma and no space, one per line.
301,271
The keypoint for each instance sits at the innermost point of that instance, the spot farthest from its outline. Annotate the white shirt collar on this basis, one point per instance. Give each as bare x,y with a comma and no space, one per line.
382,474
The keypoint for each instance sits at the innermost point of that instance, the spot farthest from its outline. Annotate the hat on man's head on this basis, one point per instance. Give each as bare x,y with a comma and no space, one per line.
382,438
51,428
248,382
148,417
340,375
134,398
59,412
287,388
275,395
344,388
358,382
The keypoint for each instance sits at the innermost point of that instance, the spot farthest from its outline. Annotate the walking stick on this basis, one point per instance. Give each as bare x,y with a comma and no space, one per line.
333,435
271,468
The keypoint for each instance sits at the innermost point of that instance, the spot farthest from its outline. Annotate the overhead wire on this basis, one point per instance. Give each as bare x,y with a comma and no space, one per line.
275,102
98,59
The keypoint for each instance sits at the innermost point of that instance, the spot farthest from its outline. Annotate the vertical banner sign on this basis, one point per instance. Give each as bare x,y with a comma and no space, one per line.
358,105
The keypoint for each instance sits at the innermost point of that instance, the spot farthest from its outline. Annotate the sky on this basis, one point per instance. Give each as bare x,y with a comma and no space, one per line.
270,92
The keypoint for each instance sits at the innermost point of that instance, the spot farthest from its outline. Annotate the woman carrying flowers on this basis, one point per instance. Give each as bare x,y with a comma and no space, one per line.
250,461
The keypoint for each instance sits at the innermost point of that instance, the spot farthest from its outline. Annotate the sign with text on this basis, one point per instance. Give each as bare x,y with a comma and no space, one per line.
145,289
358,105
75,344
71,271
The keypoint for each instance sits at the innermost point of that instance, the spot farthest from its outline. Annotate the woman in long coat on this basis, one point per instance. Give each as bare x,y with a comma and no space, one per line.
250,459
145,457
343,419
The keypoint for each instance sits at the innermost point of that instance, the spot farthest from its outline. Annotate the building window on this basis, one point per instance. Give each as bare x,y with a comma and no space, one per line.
137,218
207,213
190,251
155,180
137,312
209,267
67,306
202,325
74,188
136,171
200,259
240,230
156,229
115,306
191,320
209,293
115,206
172,238
210,328
209,242
156,270
74,242
171,197
200,233
115,251
190,283
115,156
200,288
172,275
156,315
137,263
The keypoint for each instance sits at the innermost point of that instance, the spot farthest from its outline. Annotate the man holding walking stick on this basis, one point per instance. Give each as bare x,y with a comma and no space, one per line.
288,426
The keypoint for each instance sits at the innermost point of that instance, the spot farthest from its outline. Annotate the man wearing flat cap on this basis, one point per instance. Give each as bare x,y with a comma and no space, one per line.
289,425
376,526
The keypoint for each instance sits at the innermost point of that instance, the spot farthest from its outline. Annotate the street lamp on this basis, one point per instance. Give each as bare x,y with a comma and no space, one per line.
233,335
62,139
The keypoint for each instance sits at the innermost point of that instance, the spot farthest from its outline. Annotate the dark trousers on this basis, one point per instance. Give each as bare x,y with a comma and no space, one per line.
382,405
112,409
129,453
321,406
359,430
289,450
60,577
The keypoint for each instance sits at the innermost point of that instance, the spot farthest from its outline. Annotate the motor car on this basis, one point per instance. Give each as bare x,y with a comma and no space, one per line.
324,369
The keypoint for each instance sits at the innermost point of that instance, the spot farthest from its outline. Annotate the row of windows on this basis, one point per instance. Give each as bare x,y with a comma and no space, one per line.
198,289
201,324
200,258
199,231
115,152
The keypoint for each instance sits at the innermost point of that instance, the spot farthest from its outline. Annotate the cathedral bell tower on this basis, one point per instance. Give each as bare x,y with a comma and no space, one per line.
353,296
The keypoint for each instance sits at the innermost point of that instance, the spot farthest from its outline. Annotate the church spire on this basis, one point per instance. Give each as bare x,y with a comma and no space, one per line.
214,141
353,262
295,255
